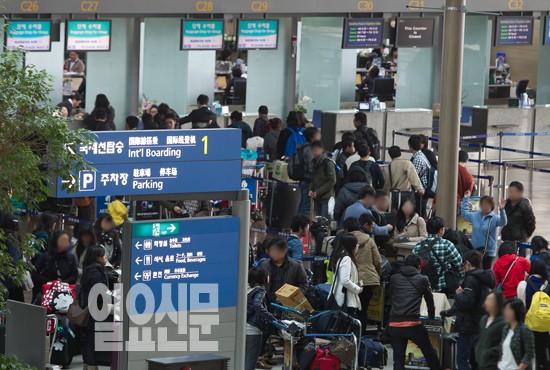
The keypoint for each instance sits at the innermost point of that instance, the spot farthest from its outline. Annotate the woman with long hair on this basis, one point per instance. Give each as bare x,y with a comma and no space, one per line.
109,239
94,276
490,332
410,225
346,287
517,345
86,239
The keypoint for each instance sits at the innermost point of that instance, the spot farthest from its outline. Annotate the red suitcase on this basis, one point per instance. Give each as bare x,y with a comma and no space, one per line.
325,361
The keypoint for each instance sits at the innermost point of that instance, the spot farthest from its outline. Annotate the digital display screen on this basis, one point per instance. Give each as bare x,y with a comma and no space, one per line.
202,34
546,38
415,32
30,35
514,31
92,35
362,33
258,34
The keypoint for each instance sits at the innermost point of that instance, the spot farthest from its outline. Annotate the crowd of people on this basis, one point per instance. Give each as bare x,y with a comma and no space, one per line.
491,280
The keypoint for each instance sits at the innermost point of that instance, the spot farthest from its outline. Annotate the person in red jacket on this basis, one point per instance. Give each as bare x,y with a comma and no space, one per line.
510,269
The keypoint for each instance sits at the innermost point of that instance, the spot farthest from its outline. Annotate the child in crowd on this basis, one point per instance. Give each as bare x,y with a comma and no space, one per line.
258,318
510,269
118,210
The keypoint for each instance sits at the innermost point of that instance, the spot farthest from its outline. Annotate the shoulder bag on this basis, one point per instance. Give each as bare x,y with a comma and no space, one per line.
486,246
332,304
500,284
452,277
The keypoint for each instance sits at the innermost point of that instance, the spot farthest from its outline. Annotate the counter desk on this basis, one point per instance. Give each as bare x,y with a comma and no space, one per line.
411,121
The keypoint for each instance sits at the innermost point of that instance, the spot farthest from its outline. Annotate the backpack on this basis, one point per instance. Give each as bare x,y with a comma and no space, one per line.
372,137
538,316
340,179
431,186
297,166
428,268
366,167
295,141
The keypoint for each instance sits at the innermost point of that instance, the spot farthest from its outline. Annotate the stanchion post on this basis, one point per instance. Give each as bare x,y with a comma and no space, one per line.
499,172
393,138
479,169
385,135
504,182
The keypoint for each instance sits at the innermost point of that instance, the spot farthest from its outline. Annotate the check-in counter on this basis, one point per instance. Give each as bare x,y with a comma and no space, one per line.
542,124
413,121
496,119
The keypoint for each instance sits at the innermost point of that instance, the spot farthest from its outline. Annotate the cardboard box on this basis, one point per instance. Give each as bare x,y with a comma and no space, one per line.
280,172
292,297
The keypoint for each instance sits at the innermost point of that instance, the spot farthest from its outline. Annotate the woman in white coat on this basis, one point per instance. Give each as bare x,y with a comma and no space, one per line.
347,287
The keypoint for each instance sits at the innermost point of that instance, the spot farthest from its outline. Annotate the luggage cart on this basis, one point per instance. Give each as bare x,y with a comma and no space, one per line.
297,332
51,332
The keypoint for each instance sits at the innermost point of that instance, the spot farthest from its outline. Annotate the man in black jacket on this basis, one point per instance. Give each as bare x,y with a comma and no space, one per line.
202,117
368,134
407,288
521,219
468,307
281,269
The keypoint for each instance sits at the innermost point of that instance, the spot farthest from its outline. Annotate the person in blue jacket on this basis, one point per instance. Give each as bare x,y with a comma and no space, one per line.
484,226
300,227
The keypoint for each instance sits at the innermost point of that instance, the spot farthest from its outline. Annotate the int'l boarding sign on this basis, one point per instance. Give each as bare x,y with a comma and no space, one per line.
156,163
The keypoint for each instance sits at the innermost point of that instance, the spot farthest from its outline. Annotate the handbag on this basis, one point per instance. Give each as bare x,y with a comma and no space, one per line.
343,349
486,246
501,283
77,315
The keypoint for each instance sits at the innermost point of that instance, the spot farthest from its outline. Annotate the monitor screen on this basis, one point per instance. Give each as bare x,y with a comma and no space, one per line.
30,35
258,34
92,35
546,39
415,32
202,34
362,33
514,31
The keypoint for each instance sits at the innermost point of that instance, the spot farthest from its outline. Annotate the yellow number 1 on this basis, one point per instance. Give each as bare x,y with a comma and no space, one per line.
205,141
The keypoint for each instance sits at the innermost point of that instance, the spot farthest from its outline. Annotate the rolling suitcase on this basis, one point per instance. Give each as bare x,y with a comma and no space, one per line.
325,361
282,205
64,343
372,354
448,351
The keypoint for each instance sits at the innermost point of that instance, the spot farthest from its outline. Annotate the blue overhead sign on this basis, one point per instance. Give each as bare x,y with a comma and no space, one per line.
157,162
547,30
184,251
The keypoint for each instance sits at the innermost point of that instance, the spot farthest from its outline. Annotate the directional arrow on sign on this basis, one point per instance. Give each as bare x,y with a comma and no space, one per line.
138,245
69,148
138,260
172,228
71,182
137,276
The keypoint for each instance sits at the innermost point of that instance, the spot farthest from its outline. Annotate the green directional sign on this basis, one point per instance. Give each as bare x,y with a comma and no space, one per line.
152,229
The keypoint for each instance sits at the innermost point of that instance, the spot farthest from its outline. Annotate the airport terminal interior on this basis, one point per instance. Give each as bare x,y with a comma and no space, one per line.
260,184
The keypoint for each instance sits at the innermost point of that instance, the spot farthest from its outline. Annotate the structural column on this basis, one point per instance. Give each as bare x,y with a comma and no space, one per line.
449,126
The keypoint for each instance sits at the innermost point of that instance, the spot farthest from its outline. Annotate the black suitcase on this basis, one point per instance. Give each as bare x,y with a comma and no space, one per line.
448,351
282,205
64,343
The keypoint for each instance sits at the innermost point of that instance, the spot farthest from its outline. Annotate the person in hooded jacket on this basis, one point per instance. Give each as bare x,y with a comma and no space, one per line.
510,269
258,318
407,288
369,264
468,307
490,332
94,276
56,264
521,218
356,179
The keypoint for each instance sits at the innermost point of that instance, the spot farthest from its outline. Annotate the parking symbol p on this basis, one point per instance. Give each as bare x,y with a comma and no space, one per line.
87,180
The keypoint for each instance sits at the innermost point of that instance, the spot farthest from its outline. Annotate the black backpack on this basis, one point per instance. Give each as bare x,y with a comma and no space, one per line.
297,166
372,137
428,268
